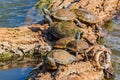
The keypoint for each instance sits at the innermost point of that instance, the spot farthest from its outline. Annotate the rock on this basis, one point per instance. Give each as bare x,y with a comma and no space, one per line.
21,41
74,71
23,38
104,9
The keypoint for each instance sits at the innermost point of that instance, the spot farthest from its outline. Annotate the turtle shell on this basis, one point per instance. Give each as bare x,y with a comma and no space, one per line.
64,14
77,46
60,57
86,16
61,43
63,29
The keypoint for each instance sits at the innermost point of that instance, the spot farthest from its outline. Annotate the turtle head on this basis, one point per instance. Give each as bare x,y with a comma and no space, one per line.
46,11
78,35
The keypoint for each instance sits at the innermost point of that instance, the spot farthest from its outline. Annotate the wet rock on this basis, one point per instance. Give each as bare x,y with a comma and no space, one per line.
16,43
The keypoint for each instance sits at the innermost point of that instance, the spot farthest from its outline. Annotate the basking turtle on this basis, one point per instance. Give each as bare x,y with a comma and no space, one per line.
62,14
61,43
77,45
63,29
59,57
85,16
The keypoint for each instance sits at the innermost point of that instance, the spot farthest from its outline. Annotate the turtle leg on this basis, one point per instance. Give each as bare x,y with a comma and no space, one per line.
76,54
86,56
49,19
78,22
51,61
46,11
47,15
58,70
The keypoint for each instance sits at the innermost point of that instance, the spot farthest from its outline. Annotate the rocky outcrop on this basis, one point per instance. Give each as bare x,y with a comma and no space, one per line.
75,71
22,39
16,43
82,70
104,9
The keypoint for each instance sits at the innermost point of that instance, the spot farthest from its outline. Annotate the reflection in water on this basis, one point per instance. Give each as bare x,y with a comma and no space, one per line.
116,63
114,39
15,74
13,12
33,16
113,42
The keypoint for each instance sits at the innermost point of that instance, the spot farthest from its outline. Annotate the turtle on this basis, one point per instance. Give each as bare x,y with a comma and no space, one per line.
85,16
63,29
62,15
58,57
77,45
61,43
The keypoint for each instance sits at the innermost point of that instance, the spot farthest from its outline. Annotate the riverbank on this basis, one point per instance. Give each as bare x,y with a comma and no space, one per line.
17,44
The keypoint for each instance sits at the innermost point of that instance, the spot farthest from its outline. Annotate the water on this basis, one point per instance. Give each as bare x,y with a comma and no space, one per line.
114,39
15,74
13,12
116,62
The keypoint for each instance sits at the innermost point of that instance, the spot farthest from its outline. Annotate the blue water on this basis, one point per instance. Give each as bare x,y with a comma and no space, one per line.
114,40
13,12
15,74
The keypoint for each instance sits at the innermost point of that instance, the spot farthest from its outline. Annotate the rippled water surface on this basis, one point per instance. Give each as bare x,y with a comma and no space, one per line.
13,12
114,39
15,74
